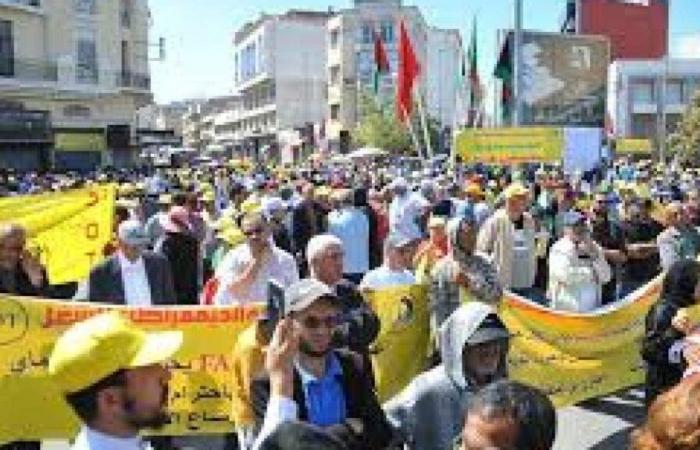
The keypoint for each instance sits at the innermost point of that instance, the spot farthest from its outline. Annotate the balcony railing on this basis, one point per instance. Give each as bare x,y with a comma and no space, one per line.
28,69
133,80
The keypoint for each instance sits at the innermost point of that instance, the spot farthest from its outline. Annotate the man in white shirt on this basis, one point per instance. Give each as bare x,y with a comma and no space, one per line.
132,276
245,272
394,272
406,210
114,378
351,226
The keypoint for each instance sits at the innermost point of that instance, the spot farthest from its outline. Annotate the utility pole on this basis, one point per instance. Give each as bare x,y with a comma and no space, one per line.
517,63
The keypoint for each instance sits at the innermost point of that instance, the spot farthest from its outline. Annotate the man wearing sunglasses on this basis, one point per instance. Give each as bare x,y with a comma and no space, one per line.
309,380
246,270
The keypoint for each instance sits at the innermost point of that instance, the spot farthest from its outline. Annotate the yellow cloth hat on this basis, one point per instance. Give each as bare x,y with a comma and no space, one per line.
232,236
515,190
208,197
92,350
224,222
249,206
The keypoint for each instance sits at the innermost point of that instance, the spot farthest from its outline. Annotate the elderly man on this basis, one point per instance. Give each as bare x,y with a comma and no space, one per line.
577,268
113,377
361,324
245,272
132,276
395,270
507,239
20,271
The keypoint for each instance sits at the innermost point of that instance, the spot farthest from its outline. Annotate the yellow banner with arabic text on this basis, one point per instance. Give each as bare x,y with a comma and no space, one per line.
510,145
67,230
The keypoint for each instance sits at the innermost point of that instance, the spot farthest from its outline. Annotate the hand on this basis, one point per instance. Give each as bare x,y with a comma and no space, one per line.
33,268
284,345
691,354
681,322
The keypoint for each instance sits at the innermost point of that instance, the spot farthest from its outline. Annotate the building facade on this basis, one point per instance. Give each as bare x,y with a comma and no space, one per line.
638,101
73,73
637,29
351,64
280,75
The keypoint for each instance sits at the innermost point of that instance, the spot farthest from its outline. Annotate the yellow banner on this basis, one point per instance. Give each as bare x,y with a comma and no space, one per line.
68,230
79,142
572,357
633,146
510,145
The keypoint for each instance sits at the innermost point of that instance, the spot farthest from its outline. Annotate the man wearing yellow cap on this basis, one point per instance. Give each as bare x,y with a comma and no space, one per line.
113,377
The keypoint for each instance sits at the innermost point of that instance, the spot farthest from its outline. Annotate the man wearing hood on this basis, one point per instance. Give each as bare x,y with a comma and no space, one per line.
429,413
462,275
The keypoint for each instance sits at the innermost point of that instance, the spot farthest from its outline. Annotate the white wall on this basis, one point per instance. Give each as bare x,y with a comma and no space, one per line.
444,64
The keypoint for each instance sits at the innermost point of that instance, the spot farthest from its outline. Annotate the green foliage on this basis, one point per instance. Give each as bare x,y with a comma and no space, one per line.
685,141
380,128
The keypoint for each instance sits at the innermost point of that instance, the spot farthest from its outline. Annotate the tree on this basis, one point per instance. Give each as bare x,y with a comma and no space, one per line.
685,141
380,128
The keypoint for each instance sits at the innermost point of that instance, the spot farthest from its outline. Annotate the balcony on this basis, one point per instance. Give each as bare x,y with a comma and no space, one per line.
133,80
32,70
25,5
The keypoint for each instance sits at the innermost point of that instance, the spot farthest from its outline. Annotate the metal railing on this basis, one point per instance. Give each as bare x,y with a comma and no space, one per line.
28,69
133,80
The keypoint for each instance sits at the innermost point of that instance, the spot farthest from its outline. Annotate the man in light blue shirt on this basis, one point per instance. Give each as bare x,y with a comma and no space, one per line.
351,226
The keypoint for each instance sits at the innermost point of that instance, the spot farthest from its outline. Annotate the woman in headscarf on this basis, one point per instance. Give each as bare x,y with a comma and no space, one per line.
666,326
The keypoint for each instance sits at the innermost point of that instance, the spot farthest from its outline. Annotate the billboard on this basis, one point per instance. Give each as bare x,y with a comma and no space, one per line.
510,145
564,79
633,147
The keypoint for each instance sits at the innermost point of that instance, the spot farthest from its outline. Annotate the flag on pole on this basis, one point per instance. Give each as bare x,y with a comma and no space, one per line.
474,81
381,61
409,69
504,72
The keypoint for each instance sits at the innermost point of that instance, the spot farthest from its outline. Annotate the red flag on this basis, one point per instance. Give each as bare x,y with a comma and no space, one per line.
409,69
381,60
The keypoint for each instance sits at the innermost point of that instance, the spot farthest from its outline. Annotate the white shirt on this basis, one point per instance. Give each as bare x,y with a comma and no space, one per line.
383,277
404,213
89,439
279,410
351,226
137,291
281,267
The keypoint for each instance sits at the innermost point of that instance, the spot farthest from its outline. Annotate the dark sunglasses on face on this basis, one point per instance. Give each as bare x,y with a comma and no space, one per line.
254,232
314,323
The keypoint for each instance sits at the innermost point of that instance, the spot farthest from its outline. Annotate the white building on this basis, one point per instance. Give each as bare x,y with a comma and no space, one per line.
445,56
280,67
72,75
636,95
351,63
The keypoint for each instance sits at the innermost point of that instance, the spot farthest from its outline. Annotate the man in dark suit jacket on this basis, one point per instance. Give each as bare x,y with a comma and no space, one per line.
303,368
108,280
307,221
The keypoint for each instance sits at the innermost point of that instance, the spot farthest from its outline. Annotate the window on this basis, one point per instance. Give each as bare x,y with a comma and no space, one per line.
388,32
86,69
236,76
335,112
7,50
86,7
335,75
367,34
674,92
334,39
76,111
261,55
125,13
643,92
126,67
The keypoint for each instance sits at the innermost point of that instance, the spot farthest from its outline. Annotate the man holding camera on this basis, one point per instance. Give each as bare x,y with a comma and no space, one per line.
577,268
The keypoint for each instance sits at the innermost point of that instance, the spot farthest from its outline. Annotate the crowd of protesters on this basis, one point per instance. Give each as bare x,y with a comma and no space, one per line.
327,235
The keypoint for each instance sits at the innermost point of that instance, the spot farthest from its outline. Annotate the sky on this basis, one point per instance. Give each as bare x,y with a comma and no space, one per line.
199,34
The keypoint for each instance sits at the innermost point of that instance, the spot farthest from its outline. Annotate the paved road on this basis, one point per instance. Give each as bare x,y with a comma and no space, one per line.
601,424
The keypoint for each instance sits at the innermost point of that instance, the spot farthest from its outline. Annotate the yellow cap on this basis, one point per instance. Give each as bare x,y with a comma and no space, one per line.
250,205
92,350
515,190
224,222
208,197
232,236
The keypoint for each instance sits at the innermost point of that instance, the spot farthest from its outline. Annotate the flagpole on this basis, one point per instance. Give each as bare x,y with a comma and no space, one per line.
414,138
424,124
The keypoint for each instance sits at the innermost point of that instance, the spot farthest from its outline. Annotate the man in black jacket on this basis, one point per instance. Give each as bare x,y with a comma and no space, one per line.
307,221
132,276
309,381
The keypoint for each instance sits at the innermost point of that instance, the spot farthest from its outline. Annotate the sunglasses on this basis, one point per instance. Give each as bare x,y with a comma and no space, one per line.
254,232
314,323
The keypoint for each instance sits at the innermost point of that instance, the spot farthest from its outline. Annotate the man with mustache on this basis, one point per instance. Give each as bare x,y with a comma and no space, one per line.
113,377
